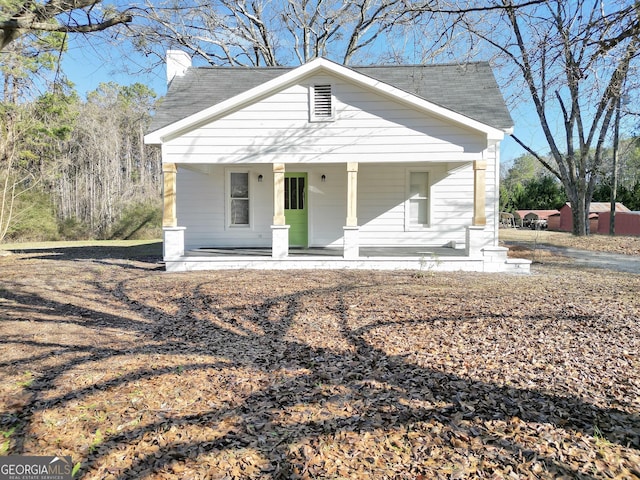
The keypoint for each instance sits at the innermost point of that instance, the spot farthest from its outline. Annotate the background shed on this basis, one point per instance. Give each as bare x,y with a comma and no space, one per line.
627,223
595,209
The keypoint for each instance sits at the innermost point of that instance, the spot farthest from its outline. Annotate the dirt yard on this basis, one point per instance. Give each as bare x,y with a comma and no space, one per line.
137,373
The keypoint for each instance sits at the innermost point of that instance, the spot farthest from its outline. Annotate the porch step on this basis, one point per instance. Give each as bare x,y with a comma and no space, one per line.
517,265
496,260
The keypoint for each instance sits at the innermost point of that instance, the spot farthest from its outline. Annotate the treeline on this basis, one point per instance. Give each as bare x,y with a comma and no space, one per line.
527,185
73,168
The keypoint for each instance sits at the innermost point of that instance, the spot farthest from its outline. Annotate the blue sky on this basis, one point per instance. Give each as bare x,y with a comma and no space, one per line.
88,63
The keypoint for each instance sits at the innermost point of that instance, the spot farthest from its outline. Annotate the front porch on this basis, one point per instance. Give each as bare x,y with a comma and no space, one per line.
326,156
419,259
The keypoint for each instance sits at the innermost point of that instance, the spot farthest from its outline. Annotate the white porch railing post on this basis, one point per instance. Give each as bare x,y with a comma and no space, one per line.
475,241
173,242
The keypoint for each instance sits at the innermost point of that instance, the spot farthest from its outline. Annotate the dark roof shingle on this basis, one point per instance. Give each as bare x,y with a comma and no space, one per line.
469,89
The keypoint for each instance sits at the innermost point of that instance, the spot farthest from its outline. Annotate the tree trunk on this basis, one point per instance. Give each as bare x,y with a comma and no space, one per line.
580,202
580,222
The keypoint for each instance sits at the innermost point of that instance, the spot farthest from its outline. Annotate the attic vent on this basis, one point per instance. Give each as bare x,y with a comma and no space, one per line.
322,103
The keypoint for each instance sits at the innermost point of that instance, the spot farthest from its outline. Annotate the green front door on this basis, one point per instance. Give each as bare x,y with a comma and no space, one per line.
295,208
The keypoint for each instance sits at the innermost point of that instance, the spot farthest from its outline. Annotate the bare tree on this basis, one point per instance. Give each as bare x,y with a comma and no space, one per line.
107,167
572,59
19,17
270,33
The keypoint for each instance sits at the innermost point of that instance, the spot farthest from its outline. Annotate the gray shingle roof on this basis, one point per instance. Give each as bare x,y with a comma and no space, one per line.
469,89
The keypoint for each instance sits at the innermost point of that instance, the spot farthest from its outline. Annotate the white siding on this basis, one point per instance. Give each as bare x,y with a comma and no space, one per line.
382,198
327,203
367,128
201,207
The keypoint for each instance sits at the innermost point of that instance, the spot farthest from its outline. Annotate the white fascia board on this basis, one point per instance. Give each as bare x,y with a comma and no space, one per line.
315,66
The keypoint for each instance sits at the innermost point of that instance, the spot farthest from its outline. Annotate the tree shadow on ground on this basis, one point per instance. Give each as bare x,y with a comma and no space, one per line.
292,405
147,252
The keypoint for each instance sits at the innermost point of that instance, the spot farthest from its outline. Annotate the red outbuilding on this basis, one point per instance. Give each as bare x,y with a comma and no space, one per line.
596,208
627,223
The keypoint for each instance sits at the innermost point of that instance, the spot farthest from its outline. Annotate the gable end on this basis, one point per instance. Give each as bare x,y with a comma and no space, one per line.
484,116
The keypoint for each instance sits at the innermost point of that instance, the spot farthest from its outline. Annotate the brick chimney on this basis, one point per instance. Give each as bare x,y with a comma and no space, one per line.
177,64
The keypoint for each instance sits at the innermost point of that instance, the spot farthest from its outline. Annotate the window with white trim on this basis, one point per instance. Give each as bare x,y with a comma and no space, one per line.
238,198
321,105
417,204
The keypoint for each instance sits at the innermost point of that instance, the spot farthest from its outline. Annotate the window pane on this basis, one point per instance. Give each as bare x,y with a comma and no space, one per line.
418,184
301,193
294,193
418,212
239,185
239,211
286,193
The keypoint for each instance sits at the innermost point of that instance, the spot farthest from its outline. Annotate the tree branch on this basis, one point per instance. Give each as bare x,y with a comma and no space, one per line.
464,11
33,17
18,24
541,159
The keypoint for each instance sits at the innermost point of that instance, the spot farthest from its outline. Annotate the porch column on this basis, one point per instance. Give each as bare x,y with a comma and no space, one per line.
479,192
173,236
169,218
351,229
278,194
279,229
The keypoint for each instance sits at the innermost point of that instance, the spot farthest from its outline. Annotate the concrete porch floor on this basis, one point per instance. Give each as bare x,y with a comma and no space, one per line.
419,259
365,252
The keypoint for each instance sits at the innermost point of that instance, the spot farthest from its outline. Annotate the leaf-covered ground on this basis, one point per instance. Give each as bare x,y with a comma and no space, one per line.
626,245
137,373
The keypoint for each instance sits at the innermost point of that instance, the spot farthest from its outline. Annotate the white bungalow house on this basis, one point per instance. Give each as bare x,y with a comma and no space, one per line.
327,166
